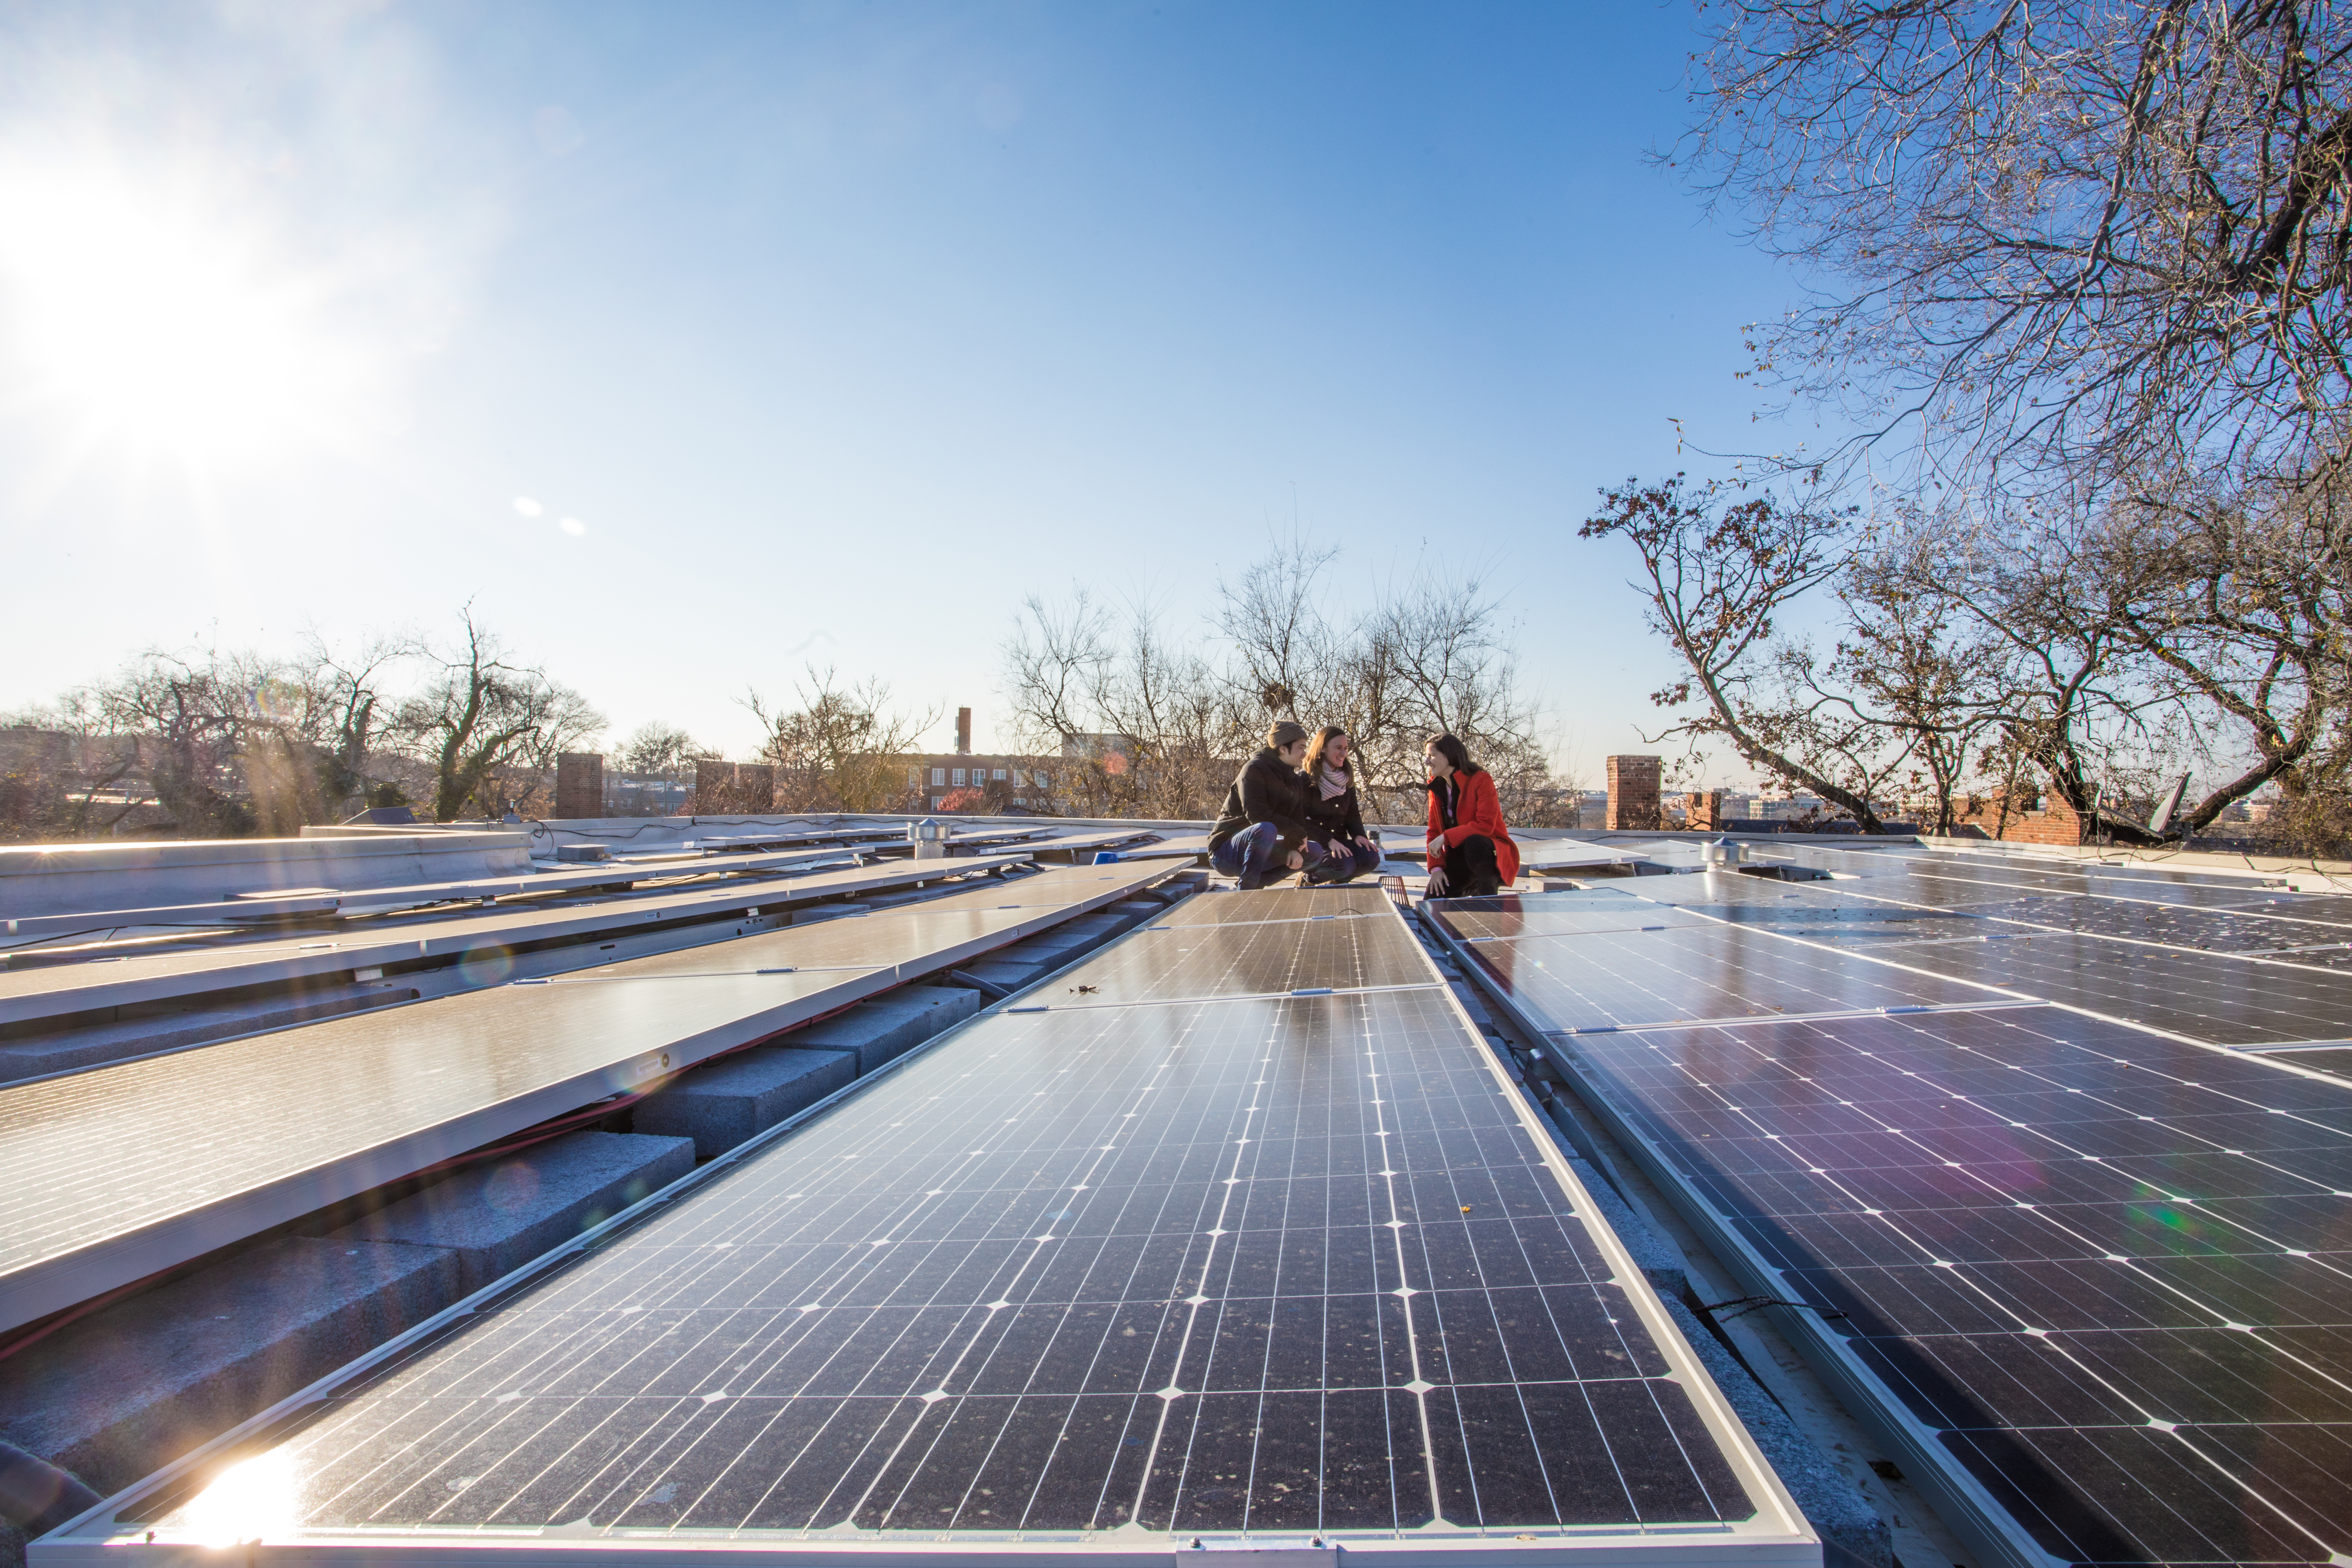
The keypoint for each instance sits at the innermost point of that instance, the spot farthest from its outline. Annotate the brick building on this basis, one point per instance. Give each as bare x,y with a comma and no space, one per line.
955,780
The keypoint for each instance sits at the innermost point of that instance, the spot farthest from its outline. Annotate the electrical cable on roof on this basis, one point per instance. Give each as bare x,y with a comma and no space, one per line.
1746,1304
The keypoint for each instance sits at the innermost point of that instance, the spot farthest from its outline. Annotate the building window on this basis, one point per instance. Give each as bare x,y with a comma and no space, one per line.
998,775
958,778
1043,783
914,778
1019,779
938,777
936,801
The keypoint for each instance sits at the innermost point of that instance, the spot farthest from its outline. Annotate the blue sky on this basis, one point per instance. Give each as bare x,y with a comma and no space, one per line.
833,330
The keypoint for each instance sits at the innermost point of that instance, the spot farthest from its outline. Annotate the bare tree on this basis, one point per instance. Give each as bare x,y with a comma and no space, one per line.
843,748
1719,573
1178,719
1430,657
2241,603
227,739
1150,724
64,776
1056,663
344,692
1142,725
2055,245
1283,647
655,747
2072,699
490,728
1909,666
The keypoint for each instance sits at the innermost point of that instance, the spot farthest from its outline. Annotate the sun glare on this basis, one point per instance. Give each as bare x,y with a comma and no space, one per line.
253,1499
149,318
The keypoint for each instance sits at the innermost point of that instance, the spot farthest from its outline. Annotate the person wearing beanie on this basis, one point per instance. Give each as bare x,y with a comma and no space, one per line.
1264,822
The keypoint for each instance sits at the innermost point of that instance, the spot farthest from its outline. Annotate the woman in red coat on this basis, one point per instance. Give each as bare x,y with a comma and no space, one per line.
1471,855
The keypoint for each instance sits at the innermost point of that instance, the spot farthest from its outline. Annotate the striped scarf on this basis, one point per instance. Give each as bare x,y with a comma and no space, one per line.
1334,782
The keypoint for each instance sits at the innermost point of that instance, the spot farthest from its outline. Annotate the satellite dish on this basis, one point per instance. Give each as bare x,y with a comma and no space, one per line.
2171,803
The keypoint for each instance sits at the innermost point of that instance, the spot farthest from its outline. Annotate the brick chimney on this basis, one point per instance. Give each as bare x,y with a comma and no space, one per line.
964,731
1633,795
580,785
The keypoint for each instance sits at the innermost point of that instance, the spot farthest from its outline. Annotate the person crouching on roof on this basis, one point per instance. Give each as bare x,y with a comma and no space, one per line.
1332,805
1264,822
1471,855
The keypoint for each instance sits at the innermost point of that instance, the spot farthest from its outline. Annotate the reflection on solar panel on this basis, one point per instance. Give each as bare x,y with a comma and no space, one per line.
1092,1278
2219,998
2227,998
1626,979
2097,1282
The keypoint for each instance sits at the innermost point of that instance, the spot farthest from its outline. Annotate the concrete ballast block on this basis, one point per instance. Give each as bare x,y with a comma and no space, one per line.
888,1027
1009,969
496,1218
740,1095
134,1385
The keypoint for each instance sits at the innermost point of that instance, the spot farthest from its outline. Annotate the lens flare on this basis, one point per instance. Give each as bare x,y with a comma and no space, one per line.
254,1499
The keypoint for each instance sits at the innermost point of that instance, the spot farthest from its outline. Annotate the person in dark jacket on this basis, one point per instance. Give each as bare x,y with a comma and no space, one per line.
1471,855
1332,804
1264,822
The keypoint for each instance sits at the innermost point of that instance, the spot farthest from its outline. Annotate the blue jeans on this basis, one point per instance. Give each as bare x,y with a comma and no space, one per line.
1256,849
1350,859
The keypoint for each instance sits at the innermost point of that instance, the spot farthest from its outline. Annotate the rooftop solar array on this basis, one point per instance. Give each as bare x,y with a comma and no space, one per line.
2202,990
115,1172
115,980
1096,1272
2090,1265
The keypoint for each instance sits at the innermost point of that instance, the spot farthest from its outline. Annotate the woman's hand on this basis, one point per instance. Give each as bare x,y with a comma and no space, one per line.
1295,859
1436,882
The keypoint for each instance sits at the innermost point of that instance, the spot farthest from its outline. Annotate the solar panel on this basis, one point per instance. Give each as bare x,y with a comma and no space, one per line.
2089,1261
2336,1059
1626,979
2179,925
1962,878
1250,959
1092,1276
1814,919
2216,998
124,1169
30,993
1922,956
1510,925
2092,1279
1280,904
